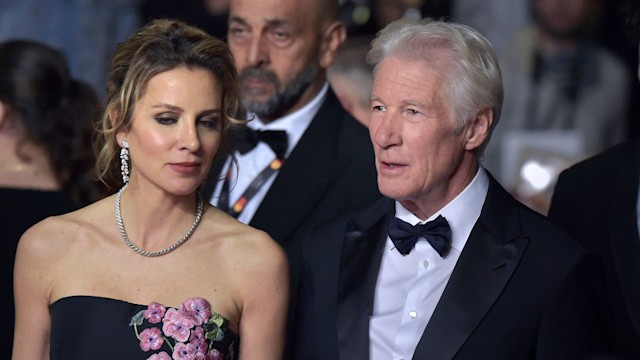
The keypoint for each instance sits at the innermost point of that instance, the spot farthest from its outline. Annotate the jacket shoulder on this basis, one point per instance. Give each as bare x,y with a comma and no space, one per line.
618,155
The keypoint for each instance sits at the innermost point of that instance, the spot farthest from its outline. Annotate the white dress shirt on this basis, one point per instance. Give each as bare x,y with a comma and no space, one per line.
409,287
256,160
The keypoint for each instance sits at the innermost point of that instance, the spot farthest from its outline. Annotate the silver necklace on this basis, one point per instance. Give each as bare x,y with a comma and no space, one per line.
133,246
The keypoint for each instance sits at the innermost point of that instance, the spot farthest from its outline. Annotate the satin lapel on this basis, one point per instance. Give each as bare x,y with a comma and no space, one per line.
486,264
359,267
625,241
309,171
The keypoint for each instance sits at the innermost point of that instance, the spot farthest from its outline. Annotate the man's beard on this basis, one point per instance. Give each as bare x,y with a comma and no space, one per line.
281,99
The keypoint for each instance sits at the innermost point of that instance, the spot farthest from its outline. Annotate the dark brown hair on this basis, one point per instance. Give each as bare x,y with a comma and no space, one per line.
55,111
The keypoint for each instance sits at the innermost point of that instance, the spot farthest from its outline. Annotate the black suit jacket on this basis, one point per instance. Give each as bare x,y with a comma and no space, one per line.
521,289
330,171
595,201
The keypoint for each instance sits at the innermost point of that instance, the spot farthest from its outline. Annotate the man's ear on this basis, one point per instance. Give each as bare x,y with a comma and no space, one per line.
479,129
334,36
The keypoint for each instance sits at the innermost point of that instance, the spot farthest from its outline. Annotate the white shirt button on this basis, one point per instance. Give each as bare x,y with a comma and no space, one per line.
425,264
413,314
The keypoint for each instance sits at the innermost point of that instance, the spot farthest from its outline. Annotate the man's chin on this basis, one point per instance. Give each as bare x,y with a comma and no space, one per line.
257,93
259,106
254,104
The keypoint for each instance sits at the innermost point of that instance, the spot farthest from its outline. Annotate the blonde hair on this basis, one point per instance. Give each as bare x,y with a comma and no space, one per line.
160,46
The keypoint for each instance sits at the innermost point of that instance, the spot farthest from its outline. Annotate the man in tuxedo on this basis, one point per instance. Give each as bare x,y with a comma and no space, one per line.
598,202
448,265
303,159
320,169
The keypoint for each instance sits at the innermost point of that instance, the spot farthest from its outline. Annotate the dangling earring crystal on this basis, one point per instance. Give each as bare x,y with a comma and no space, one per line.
124,161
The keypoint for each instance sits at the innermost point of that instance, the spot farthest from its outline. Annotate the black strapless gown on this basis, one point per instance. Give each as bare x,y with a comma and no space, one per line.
88,327
19,210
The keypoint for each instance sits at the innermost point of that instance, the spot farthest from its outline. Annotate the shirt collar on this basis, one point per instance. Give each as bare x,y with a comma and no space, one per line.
461,213
296,123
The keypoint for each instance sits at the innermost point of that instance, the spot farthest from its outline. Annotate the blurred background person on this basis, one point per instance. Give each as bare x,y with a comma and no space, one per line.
498,20
46,158
86,31
367,17
566,98
351,77
208,15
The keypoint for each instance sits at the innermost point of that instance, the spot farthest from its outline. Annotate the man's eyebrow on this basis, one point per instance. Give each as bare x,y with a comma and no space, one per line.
277,22
238,20
269,22
413,102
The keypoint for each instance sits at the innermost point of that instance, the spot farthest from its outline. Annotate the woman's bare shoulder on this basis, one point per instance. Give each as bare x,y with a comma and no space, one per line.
259,267
248,246
55,233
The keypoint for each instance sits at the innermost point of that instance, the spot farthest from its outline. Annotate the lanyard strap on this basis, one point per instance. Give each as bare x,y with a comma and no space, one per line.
250,192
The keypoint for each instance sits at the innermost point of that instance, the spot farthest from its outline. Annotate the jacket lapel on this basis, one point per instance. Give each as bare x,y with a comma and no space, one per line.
359,266
491,255
309,171
625,241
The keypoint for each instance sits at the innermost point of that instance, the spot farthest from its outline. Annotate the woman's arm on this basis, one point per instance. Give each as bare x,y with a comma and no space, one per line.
264,304
32,284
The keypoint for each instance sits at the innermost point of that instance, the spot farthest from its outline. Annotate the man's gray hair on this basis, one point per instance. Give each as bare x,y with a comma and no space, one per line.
468,65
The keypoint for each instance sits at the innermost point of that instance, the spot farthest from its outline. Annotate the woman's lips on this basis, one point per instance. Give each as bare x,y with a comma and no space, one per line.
185,167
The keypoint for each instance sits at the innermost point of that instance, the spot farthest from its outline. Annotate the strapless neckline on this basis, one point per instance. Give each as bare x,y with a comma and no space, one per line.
86,326
104,298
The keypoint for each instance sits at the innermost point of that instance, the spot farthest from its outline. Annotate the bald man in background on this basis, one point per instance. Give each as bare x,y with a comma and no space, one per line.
321,165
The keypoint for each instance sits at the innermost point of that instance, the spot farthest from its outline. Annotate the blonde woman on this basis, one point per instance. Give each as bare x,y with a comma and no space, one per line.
153,271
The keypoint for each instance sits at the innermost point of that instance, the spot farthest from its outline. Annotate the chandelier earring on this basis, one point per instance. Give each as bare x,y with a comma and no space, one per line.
124,161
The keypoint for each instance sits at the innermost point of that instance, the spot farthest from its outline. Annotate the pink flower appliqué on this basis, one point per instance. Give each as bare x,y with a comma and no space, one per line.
191,331
154,313
214,355
160,356
197,308
151,339
197,336
177,325
199,340
184,351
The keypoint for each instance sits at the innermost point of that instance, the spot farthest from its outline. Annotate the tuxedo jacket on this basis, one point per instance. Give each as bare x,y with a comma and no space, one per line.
595,201
330,171
521,289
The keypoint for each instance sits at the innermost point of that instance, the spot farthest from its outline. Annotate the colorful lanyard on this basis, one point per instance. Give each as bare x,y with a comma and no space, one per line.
250,192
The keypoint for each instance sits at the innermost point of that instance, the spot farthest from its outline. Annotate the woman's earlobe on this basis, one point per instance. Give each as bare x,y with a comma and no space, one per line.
121,139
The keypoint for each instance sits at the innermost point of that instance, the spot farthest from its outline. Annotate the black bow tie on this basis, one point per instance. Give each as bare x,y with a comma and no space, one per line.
405,236
246,139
